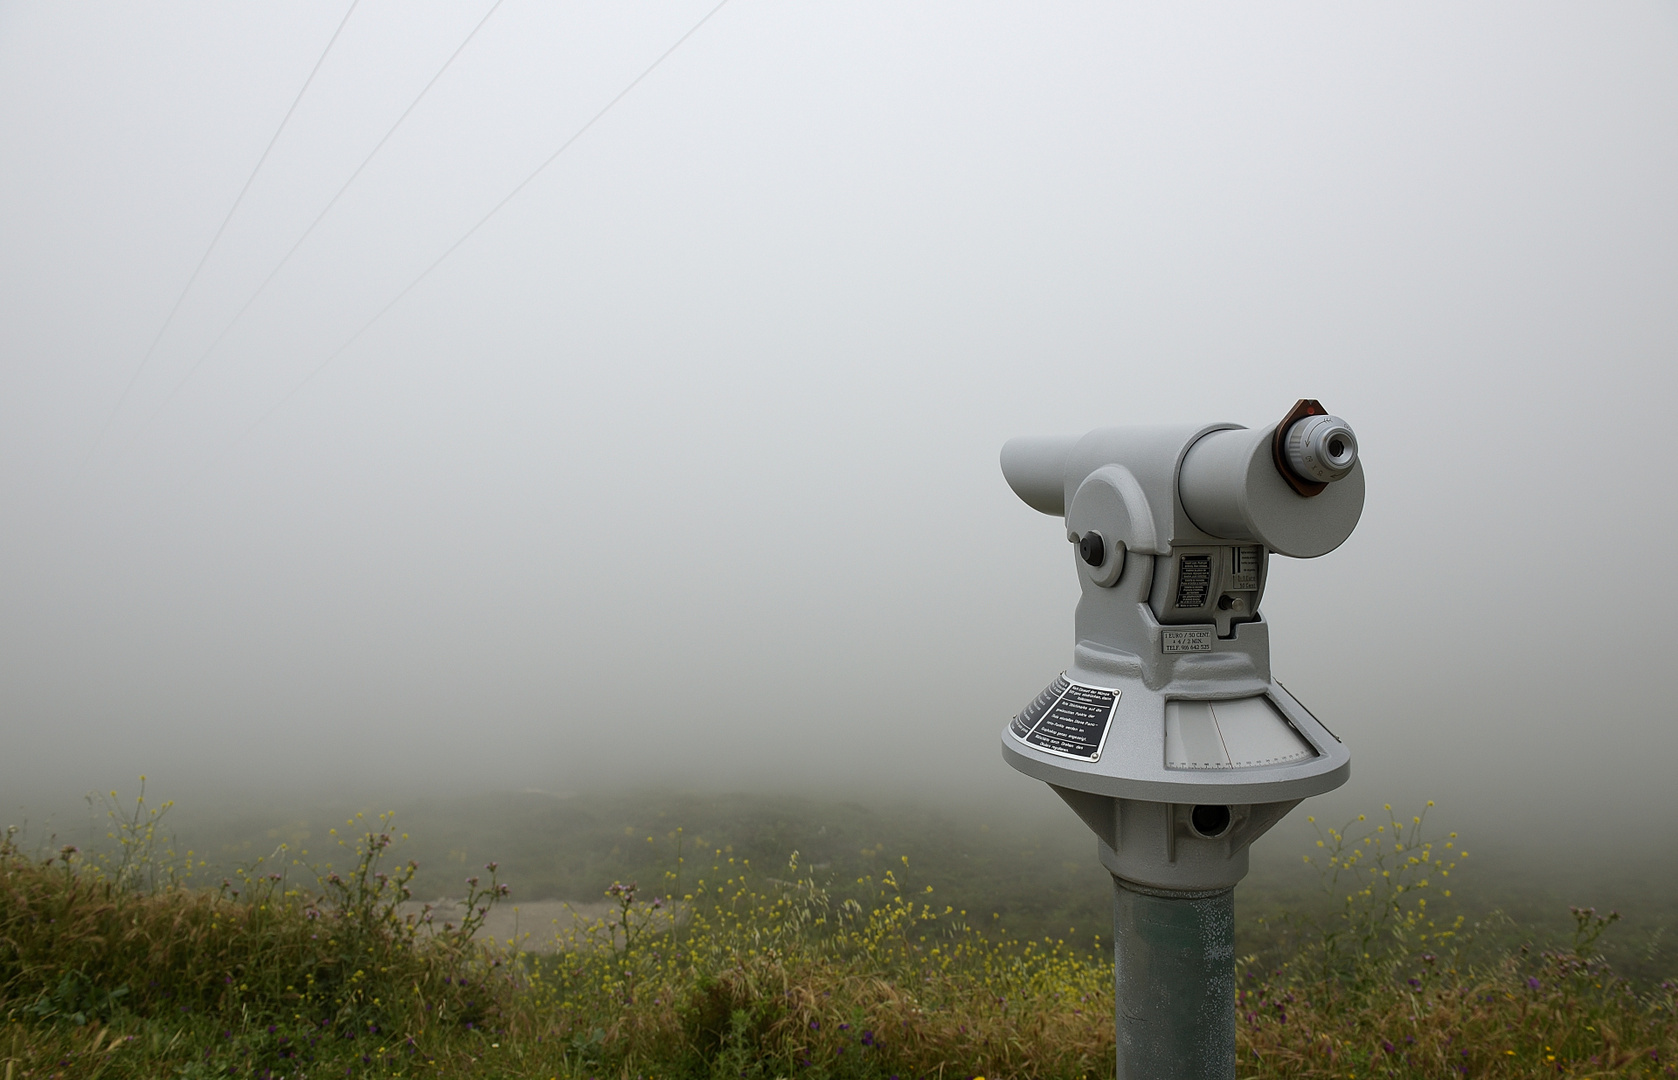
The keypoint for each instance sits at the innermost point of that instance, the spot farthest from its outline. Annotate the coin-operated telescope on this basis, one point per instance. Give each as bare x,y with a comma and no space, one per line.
1167,734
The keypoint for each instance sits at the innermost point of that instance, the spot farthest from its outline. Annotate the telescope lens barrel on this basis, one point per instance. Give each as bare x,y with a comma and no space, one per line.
1035,467
1321,448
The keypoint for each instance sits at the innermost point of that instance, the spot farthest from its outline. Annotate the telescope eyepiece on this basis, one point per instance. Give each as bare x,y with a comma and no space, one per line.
1321,448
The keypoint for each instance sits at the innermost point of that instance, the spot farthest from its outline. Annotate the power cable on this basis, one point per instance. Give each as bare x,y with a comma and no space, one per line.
272,274
423,274
214,240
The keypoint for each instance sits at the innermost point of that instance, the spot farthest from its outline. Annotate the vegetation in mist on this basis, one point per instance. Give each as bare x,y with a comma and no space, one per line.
122,962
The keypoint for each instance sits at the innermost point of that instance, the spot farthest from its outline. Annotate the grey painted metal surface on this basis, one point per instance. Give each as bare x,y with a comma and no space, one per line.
1167,733
1174,984
1169,618
1231,488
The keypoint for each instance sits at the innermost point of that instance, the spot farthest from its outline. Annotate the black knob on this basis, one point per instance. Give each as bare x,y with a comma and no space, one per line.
1093,548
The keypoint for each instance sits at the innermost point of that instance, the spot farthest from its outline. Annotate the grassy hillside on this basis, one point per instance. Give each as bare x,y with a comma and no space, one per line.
1036,871
896,943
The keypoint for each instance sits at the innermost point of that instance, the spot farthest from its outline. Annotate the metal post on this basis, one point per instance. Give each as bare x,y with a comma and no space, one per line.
1174,983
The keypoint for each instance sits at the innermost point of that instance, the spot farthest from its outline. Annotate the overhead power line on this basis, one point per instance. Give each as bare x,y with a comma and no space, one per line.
481,222
192,279
327,209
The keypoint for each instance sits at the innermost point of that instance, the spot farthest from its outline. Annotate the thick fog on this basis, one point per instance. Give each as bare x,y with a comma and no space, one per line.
682,468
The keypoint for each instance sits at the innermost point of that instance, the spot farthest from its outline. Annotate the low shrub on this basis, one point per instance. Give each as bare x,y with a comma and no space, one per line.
126,939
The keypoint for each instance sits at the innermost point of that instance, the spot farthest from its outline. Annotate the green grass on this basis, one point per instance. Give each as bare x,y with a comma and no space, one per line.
847,960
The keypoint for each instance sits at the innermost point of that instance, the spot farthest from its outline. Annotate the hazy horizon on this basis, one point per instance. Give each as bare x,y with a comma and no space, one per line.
682,470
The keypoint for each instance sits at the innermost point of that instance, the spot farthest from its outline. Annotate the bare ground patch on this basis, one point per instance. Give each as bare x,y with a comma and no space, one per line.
543,926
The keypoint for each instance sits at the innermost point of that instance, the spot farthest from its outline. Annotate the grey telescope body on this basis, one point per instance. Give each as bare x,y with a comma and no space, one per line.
1166,733
1217,483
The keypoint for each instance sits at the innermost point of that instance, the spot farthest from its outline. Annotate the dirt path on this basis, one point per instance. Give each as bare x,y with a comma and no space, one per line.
538,926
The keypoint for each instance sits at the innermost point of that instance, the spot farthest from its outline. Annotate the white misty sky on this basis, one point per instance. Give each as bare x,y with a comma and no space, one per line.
683,468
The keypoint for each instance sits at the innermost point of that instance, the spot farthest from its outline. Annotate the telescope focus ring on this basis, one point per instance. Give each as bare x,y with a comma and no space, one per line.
1321,448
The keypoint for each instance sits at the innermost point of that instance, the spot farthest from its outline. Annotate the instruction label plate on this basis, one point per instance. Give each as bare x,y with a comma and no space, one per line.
1031,714
1194,581
1067,718
1193,639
